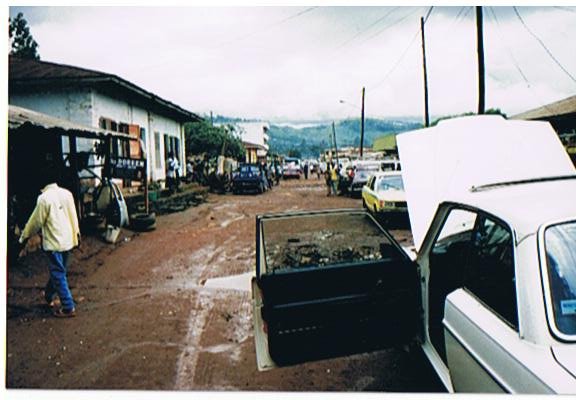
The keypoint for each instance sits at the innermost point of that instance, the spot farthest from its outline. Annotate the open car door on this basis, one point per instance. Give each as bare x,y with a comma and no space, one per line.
327,284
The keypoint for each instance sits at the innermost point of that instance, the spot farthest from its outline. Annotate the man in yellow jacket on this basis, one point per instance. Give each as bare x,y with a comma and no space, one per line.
55,215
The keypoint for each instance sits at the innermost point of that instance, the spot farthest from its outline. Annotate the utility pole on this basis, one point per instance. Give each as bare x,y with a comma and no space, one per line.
335,146
426,115
211,119
362,125
481,86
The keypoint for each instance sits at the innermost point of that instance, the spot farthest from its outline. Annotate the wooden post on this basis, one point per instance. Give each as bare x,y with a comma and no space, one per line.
146,200
481,85
73,158
426,115
335,145
362,125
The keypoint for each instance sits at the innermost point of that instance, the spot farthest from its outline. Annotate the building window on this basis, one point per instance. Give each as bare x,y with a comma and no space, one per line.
157,153
123,128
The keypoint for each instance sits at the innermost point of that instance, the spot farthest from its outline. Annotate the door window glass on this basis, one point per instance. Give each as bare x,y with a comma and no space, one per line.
321,240
490,269
474,252
560,241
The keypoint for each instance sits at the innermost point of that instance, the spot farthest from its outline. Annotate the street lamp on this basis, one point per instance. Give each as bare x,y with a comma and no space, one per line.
361,120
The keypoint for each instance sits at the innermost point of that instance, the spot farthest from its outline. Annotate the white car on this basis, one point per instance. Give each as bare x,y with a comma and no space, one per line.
491,296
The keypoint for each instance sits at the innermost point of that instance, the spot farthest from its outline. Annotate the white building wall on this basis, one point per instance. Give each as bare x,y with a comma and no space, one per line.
253,132
123,112
87,106
71,104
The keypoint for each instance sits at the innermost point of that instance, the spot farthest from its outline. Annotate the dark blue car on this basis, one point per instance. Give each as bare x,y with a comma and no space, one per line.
249,178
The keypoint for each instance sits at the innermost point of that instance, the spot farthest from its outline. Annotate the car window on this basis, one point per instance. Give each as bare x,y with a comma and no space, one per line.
319,240
474,252
560,244
490,269
372,182
391,182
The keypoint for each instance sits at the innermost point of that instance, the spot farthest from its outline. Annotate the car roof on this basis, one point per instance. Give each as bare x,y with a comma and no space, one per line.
387,173
527,206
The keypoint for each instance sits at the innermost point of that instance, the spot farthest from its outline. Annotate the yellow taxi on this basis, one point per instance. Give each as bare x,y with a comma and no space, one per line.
384,192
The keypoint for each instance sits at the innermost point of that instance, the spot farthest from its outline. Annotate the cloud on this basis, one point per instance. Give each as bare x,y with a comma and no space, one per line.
272,63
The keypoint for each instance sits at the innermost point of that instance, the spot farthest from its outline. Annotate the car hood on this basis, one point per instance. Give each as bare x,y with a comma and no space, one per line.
566,356
444,162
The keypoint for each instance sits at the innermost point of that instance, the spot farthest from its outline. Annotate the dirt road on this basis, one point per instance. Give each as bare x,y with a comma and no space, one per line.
152,316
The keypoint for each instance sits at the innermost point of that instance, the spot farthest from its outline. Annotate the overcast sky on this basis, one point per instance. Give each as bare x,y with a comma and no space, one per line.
296,63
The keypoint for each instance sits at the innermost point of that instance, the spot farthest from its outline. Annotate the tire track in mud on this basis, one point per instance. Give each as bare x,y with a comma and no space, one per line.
202,309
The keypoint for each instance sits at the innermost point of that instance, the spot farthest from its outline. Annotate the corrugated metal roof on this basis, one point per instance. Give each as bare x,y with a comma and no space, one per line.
562,107
382,143
30,72
18,116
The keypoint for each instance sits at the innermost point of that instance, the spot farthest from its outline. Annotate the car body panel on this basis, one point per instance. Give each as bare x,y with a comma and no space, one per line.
333,309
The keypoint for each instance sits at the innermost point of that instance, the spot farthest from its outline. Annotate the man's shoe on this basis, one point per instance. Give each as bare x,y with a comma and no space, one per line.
62,313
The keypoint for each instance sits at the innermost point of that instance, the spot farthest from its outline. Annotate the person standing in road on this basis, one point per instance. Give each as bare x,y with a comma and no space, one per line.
55,215
334,174
306,170
327,175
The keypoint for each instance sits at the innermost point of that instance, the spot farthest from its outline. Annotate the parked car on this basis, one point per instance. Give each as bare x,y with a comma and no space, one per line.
491,295
384,192
249,177
364,169
292,168
391,164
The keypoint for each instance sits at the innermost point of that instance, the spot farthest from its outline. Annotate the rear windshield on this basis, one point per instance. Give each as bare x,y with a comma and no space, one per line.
391,182
249,169
320,240
560,242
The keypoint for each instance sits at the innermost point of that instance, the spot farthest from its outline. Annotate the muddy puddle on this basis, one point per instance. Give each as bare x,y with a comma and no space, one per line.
233,282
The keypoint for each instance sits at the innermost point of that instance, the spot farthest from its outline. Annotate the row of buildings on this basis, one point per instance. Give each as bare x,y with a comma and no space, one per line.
107,103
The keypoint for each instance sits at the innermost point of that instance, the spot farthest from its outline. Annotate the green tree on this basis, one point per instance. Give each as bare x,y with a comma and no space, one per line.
493,111
294,153
22,44
202,138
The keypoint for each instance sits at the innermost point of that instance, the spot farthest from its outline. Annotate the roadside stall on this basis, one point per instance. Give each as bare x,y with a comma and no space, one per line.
86,160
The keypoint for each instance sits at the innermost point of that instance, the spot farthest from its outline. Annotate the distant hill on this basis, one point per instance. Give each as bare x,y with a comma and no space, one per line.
310,139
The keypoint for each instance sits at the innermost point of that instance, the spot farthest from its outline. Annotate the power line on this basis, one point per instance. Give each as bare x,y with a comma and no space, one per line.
272,25
378,84
566,9
367,28
390,26
514,61
508,49
543,45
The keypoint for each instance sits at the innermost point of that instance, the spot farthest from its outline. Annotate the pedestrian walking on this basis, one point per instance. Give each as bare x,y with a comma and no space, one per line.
55,216
306,170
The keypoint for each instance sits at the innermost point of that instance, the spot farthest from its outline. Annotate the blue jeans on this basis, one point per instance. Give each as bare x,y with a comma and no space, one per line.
58,283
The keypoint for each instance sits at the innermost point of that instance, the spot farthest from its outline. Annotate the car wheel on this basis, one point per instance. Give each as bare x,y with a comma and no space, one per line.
143,222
